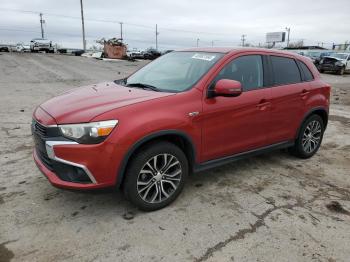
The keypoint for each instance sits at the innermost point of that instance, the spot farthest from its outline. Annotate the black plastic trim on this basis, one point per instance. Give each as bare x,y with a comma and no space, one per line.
142,141
225,160
302,72
268,76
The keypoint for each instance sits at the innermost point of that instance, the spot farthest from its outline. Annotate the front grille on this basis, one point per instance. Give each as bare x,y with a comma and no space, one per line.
40,129
328,61
40,134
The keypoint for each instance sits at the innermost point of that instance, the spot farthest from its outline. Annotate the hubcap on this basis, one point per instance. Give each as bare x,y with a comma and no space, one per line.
159,178
312,136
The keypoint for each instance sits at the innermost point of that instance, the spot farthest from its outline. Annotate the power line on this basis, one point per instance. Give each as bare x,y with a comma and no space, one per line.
82,24
121,32
157,33
115,21
18,30
243,39
150,41
288,30
41,25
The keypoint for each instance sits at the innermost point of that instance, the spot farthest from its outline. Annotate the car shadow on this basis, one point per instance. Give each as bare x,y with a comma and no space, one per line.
112,200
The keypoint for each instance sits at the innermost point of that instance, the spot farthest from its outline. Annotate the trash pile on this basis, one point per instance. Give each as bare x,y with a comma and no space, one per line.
113,48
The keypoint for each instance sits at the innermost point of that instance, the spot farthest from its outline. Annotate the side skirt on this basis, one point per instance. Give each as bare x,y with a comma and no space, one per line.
225,160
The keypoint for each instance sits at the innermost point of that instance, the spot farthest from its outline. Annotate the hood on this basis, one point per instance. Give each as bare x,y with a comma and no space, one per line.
334,58
83,104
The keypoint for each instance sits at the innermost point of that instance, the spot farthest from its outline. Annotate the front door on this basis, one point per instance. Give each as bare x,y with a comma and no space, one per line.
237,124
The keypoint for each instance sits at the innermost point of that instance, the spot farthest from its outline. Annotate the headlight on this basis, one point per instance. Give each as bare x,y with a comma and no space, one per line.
338,63
89,133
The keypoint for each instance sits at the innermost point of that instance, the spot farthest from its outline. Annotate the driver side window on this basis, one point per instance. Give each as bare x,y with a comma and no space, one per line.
246,69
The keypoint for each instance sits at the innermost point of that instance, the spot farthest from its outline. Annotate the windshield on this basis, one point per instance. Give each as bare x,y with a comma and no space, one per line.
340,56
314,54
175,71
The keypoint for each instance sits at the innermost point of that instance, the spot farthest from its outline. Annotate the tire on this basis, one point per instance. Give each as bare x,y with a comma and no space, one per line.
341,71
305,145
147,183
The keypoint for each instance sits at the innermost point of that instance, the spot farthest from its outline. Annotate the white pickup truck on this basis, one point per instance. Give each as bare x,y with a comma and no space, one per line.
40,44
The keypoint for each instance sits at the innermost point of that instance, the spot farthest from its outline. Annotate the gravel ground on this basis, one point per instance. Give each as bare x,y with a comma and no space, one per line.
268,208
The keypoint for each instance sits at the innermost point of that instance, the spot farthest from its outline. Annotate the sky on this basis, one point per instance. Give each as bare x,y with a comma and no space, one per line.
180,22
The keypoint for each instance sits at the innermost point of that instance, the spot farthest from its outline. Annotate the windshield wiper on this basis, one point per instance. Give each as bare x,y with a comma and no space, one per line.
143,86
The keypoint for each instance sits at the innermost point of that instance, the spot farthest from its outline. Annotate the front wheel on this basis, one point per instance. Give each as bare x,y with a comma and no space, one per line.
156,176
309,138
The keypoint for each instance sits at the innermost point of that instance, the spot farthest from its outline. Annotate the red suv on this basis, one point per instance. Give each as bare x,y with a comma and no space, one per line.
185,112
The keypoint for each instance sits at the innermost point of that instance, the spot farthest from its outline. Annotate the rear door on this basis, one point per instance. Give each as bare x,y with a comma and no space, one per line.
236,124
287,98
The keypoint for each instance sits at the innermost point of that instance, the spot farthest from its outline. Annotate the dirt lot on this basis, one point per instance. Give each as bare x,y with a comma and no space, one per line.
268,208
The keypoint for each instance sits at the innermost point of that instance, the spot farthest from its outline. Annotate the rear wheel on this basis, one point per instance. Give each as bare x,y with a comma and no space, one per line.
156,176
309,137
341,71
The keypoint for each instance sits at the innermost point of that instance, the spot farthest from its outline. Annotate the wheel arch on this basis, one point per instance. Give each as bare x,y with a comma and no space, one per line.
321,111
176,137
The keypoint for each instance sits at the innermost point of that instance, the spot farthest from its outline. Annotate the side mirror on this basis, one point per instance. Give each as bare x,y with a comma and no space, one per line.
227,87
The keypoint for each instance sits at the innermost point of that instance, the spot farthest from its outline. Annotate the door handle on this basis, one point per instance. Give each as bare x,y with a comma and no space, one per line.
304,93
263,104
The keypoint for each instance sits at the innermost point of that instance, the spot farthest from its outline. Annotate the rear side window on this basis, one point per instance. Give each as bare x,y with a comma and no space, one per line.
285,70
307,73
246,69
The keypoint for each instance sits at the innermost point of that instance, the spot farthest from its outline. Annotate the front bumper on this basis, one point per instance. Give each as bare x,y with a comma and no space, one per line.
68,164
56,181
329,67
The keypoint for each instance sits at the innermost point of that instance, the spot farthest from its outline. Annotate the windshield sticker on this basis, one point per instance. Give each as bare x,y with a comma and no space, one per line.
203,57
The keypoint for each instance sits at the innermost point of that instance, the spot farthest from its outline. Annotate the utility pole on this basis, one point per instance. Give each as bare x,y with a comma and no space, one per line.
212,43
243,39
157,33
198,42
121,31
41,25
288,30
82,24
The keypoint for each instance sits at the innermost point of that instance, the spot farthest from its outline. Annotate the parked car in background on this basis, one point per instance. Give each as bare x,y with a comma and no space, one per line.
151,54
316,56
185,112
135,53
22,48
336,62
40,44
166,52
77,52
4,48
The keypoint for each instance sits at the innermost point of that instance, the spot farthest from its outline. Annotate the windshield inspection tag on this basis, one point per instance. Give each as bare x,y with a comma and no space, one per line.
203,57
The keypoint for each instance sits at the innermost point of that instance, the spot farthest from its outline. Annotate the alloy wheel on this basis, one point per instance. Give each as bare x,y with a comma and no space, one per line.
312,136
159,178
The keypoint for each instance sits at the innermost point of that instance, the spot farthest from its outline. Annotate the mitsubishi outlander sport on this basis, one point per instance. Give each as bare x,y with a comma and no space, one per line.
187,111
